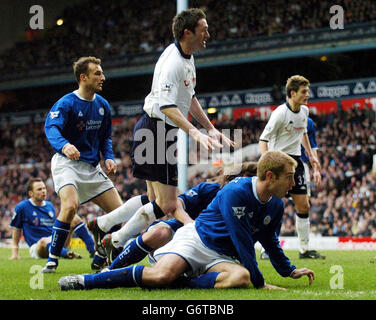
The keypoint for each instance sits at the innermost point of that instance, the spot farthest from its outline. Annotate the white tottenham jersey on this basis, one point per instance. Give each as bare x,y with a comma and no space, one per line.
173,84
285,128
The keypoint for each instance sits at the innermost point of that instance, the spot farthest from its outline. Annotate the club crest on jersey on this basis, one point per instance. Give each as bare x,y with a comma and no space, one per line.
101,111
51,214
54,114
239,211
80,114
267,219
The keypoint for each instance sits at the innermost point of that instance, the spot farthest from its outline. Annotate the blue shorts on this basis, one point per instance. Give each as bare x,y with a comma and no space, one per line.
154,151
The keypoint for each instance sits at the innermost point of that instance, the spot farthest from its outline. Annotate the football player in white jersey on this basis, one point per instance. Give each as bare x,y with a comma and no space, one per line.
166,108
286,131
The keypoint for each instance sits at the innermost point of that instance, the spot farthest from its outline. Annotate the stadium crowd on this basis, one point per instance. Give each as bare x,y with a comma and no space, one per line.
108,28
344,204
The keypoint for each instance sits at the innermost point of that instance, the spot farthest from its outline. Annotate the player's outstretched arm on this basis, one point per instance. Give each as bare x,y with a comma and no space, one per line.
298,273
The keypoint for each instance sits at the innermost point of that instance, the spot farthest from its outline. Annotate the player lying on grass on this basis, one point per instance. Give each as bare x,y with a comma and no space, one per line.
217,250
193,202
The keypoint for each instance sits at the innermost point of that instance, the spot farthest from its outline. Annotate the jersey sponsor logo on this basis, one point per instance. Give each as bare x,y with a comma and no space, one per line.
239,211
36,221
81,125
54,114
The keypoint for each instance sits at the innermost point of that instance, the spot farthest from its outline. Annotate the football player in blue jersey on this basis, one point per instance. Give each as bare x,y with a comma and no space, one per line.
193,202
34,218
217,250
79,130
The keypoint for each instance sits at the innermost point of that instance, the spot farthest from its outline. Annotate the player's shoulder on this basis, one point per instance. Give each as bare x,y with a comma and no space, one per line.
304,108
66,101
101,99
239,185
281,108
23,204
207,186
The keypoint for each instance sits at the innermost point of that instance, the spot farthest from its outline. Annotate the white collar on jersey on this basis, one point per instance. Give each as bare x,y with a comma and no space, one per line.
35,205
79,97
254,184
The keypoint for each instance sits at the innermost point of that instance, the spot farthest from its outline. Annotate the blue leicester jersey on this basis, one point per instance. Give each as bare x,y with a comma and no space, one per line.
236,219
82,123
195,201
198,198
35,221
311,131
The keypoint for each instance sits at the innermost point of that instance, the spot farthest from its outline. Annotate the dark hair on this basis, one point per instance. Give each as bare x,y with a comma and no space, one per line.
229,172
187,19
30,183
81,66
293,84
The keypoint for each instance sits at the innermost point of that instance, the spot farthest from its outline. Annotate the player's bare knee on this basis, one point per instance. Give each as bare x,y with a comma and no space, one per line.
70,208
163,278
42,251
240,279
168,207
157,237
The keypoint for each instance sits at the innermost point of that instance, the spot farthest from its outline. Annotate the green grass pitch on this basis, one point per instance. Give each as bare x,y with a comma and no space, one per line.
344,275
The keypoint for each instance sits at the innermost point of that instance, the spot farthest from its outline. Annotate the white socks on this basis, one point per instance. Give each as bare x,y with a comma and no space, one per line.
302,228
120,215
139,221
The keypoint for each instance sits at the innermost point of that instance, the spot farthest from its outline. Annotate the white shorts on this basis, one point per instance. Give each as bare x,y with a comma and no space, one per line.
33,251
188,245
89,181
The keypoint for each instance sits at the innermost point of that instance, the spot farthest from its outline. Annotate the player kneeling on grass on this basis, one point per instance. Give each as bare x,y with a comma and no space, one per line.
217,250
34,218
192,202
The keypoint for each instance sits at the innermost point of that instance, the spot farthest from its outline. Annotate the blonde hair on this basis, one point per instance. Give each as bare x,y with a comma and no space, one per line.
274,161
293,84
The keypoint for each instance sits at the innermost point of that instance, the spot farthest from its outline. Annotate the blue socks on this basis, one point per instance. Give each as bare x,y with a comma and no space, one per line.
131,254
60,231
124,277
81,231
204,281
63,253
